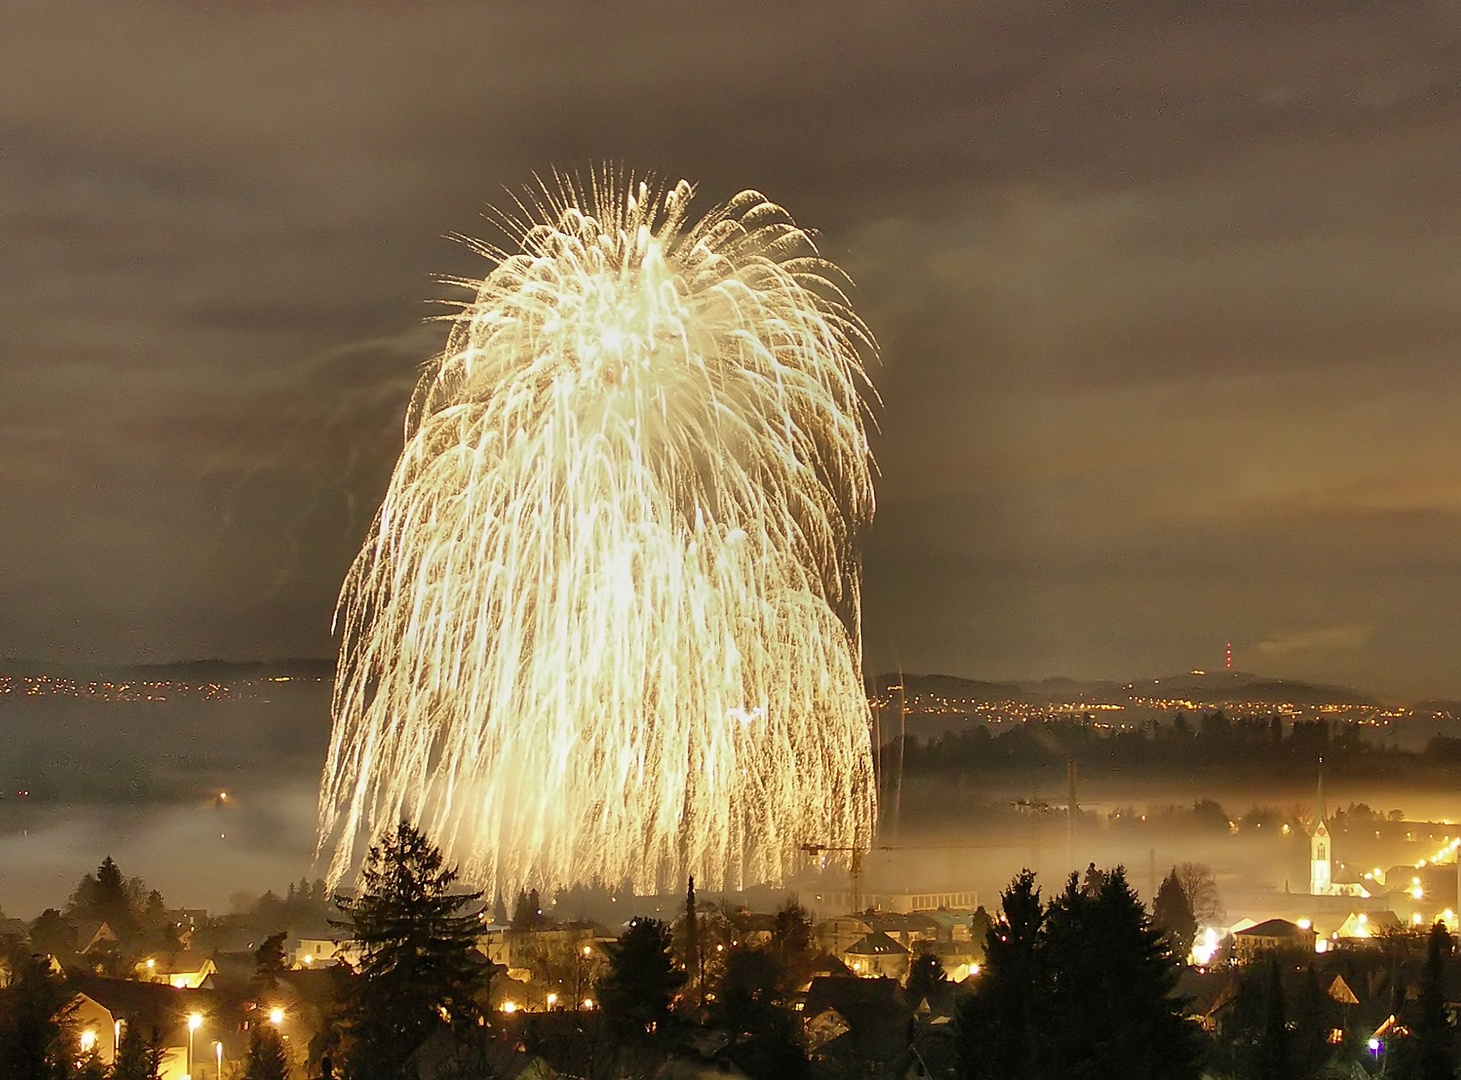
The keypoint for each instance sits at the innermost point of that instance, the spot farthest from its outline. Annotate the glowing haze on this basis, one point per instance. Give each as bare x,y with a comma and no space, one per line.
606,623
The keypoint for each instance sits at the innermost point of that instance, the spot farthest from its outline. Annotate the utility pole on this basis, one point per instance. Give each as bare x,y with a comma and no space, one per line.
1071,808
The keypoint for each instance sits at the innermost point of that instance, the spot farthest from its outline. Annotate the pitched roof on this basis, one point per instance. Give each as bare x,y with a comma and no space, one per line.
876,944
165,1006
1273,928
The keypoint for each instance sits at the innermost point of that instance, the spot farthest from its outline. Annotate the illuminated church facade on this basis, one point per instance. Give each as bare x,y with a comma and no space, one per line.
1321,854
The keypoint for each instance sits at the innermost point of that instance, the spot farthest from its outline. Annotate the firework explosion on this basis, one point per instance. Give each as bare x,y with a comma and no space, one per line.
606,621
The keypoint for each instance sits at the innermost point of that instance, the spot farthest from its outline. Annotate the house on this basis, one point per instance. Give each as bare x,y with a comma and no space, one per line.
186,971
1270,936
836,936
1368,924
860,1026
303,952
877,955
104,1007
959,959
907,928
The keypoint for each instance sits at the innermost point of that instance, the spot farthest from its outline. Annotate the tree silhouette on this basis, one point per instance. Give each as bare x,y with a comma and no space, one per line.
419,967
1110,978
269,963
999,1032
139,1057
1200,885
36,1038
926,980
637,990
266,1059
1172,914
1429,1051
689,937
1079,989
791,941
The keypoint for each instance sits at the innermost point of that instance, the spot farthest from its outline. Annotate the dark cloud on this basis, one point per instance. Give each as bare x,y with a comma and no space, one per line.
1168,297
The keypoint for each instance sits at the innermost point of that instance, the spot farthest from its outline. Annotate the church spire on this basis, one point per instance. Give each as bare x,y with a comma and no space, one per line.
1319,804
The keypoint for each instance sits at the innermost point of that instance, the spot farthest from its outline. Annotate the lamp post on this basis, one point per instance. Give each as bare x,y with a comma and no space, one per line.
194,1023
218,1054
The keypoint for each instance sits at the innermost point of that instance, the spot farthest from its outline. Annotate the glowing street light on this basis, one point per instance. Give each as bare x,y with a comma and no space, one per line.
218,1057
194,1023
276,1016
88,1041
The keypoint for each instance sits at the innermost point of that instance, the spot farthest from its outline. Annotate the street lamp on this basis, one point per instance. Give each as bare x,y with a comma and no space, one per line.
218,1052
194,1023
276,1016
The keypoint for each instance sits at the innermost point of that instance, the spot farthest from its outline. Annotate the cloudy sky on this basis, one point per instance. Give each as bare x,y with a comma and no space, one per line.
1169,298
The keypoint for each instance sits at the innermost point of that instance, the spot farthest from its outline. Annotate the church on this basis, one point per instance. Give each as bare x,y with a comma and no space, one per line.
1321,854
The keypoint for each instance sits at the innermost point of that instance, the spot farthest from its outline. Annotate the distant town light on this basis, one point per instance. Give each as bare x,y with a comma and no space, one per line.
509,1007
276,1016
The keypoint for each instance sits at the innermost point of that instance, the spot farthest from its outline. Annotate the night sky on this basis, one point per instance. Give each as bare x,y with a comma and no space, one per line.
1169,298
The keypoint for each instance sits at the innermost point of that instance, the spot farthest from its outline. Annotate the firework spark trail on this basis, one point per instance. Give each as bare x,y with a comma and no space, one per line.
606,621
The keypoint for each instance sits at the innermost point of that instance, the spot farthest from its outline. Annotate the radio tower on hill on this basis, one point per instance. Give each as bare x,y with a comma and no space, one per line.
1229,656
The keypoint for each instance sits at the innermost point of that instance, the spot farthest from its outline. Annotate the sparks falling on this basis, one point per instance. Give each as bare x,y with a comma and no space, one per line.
606,623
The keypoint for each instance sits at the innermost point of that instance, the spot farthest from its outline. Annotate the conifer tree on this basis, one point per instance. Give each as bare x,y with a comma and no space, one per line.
791,940
535,910
1429,1053
266,1059
1271,1052
999,1027
1172,915
269,963
637,990
419,967
522,913
926,980
139,1057
1312,1013
1110,977
690,947
36,1037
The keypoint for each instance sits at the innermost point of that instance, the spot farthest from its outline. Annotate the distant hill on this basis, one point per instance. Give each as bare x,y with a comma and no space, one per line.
1202,689
294,667
1439,708
177,670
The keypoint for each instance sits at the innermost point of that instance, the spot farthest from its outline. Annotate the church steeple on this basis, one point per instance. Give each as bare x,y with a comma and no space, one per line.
1319,802
1320,874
